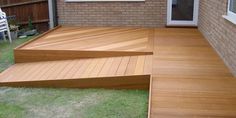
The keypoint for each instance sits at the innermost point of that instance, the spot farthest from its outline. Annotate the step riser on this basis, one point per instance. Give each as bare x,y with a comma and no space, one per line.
23,56
123,82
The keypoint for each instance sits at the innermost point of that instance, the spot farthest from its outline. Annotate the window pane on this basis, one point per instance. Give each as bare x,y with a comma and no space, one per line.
182,10
232,6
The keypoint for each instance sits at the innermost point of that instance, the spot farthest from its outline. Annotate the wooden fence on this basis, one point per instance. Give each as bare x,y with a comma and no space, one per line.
23,10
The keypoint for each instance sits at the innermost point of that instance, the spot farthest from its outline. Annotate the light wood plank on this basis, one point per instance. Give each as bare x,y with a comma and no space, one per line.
104,71
132,65
114,67
140,65
58,69
123,66
66,69
98,67
148,65
90,68
82,69
76,66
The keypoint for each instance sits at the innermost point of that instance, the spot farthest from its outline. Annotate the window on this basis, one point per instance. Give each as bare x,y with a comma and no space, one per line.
232,6
231,12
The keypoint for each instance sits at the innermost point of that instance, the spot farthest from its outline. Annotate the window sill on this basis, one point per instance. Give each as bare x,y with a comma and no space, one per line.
229,19
104,0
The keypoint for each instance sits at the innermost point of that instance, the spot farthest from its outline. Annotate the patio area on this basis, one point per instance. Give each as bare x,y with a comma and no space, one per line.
184,74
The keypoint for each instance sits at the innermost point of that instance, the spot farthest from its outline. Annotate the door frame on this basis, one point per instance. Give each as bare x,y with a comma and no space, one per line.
194,22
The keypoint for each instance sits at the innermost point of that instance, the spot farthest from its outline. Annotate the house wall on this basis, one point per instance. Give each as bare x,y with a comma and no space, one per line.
151,13
219,32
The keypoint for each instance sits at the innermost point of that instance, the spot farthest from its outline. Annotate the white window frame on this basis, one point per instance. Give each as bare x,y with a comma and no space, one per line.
171,22
104,0
231,16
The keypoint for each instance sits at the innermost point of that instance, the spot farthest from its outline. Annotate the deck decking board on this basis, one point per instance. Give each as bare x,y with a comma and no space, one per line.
123,66
79,68
98,67
119,44
115,65
132,65
50,70
82,69
93,33
65,69
88,38
151,37
42,71
34,70
90,68
89,35
140,65
48,40
148,63
106,67
189,78
114,42
21,71
70,73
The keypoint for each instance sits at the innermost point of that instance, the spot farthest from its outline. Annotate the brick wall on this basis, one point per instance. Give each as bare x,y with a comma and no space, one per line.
151,13
220,33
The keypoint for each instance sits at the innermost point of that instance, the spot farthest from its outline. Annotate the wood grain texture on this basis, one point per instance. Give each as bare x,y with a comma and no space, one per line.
22,56
77,69
119,82
189,78
37,37
150,97
94,38
86,42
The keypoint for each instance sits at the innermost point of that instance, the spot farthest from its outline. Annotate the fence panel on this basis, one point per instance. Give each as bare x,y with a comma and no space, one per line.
23,10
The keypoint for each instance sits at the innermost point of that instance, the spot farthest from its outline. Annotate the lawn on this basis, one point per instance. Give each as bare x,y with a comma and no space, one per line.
72,103
67,103
6,52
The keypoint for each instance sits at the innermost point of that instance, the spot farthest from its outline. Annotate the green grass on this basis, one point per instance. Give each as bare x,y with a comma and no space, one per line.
66,103
72,103
6,52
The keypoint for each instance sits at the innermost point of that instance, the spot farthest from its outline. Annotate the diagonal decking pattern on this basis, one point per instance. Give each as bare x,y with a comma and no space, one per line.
78,69
64,43
94,39
81,69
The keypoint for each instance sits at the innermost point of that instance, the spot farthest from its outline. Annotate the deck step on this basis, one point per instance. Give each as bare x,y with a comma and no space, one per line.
25,56
108,72
64,43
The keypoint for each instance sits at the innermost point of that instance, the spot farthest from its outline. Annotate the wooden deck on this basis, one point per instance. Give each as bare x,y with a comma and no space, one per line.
186,76
84,58
79,42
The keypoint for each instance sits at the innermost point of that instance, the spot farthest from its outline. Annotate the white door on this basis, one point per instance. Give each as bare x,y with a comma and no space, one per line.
182,12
